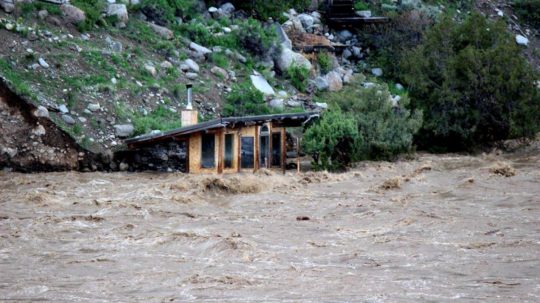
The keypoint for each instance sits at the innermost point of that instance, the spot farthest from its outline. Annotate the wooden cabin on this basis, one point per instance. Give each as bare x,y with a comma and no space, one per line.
233,144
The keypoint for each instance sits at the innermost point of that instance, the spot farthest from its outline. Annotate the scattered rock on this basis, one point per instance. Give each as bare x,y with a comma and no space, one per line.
344,35
199,48
277,103
192,76
289,58
377,72
166,65
123,166
118,10
262,85
113,45
364,14
43,63
321,83
43,14
522,40
227,9
192,65
150,69
162,31
41,112
306,20
302,218
72,14
68,119
218,71
335,83
93,107
7,5
393,183
63,109
11,152
124,130
39,131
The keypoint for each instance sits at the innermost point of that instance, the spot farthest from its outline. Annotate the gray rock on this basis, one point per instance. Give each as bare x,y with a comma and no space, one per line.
82,119
68,119
63,109
347,54
43,63
72,14
522,40
321,105
399,86
192,65
262,85
41,112
288,58
113,45
377,72
321,83
123,166
218,71
344,35
284,40
124,130
306,20
7,5
192,76
357,52
199,48
166,65
150,69
335,83
348,77
93,107
118,10
43,14
240,58
294,103
162,31
11,152
39,131
227,9
277,103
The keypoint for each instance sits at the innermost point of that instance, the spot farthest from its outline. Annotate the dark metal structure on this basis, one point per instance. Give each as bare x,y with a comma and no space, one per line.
341,13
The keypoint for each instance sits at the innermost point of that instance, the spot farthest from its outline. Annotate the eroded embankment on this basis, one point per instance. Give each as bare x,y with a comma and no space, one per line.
443,228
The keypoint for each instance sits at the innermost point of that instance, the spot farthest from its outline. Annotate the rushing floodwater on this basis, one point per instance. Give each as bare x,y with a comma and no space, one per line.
441,229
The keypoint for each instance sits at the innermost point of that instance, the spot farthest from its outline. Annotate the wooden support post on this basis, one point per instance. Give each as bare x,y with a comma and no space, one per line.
284,149
256,151
297,155
221,150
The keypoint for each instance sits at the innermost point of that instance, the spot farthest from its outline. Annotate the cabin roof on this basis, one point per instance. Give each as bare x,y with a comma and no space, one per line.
288,120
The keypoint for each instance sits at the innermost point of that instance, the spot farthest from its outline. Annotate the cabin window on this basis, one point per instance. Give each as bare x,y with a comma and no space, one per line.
208,150
229,150
247,152
276,149
264,147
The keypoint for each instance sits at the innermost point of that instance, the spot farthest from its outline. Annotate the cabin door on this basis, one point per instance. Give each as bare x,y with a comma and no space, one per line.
247,152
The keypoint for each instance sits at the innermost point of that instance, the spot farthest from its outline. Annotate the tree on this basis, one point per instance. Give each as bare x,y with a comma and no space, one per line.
472,84
332,140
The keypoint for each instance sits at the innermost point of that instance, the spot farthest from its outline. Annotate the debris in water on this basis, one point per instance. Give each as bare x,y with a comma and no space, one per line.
503,169
302,218
393,183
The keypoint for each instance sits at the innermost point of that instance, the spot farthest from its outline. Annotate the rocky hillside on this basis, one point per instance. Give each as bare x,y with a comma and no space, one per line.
102,71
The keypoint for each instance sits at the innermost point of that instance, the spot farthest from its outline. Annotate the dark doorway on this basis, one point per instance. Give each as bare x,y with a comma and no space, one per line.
264,148
247,151
276,149
229,150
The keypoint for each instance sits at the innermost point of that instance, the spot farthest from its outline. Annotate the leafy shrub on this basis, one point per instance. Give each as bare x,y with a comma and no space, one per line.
245,100
159,119
325,62
299,76
332,140
265,9
255,38
361,5
92,10
220,60
385,130
164,12
472,84
528,10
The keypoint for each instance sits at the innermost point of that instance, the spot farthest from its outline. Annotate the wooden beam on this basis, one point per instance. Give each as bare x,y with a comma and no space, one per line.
256,150
283,149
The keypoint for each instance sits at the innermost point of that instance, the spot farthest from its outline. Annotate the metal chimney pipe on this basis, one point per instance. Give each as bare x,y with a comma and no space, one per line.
189,96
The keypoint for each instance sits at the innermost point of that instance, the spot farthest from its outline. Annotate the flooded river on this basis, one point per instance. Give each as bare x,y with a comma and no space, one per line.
440,228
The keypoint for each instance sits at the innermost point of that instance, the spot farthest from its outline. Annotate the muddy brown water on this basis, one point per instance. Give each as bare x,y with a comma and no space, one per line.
439,228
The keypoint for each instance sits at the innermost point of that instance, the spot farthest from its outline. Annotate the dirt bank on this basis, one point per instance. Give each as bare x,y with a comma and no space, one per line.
436,229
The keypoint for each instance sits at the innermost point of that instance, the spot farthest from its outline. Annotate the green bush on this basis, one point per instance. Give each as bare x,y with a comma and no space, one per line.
299,76
528,10
245,100
164,12
332,140
473,85
265,9
385,130
325,62
92,10
159,119
360,5
254,37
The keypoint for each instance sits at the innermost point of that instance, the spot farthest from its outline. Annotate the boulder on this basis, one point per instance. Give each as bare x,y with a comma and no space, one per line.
7,5
277,103
93,107
335,83
166,65
306,20
63,109
364,14
162,31
192,76
39,131
150,69
344,35
43,63
199,48
124,130
522,40
321,83
41,112
227,9
119,11
192,65
288,58
218,71
283,38
262,85
72,14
